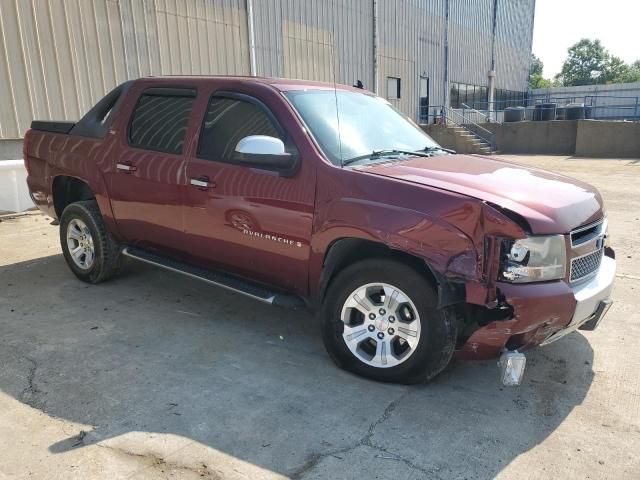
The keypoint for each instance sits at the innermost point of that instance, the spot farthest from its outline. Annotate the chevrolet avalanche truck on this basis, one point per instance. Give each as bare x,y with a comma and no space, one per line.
300,193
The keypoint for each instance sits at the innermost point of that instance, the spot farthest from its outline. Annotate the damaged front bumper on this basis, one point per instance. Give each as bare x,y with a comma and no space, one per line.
543,313
592,301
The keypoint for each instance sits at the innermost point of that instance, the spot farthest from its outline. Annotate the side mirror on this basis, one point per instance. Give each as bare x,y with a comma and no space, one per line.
265,152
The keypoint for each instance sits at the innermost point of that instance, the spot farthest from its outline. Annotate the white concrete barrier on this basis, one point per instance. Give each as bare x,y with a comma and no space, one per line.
14,194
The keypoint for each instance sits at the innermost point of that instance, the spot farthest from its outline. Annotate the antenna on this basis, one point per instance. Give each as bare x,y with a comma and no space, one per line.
335,83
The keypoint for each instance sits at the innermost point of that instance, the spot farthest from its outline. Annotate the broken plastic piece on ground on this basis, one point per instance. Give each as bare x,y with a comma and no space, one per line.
511,366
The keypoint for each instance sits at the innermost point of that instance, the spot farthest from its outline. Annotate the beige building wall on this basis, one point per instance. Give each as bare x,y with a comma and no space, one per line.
393,65
59,57
309,52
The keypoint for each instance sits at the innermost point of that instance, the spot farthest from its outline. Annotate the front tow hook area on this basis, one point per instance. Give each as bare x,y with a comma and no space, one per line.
511,366
597,316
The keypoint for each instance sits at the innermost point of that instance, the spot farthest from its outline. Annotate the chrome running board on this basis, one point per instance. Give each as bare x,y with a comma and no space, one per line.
219,279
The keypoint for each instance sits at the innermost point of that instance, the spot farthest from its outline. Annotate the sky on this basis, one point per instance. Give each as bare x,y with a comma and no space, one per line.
561,23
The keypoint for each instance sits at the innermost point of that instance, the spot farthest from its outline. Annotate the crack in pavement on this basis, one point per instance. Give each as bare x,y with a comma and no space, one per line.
31,393
628,276
316,458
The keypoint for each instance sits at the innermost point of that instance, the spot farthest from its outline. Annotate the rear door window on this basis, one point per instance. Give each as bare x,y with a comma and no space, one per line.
229,120
160,119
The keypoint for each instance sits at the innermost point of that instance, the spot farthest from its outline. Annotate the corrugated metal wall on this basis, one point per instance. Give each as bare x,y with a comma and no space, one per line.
58,57
315,39
514,36
618,101
470,32
616,90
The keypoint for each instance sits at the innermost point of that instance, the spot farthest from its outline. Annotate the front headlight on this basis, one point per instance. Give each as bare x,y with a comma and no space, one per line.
533,259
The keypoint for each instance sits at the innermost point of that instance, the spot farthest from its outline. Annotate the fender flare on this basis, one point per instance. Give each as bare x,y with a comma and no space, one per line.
451,290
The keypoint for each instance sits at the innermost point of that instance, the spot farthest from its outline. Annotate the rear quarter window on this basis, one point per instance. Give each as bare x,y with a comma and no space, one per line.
159,121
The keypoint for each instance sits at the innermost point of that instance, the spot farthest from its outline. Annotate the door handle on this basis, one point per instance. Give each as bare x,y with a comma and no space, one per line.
202,183
125,167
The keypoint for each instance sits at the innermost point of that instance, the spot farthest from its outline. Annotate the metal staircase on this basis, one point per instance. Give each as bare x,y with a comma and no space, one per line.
464,122
475,144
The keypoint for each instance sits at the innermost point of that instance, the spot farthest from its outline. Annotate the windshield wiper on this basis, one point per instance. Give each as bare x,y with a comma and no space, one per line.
436,149
383,153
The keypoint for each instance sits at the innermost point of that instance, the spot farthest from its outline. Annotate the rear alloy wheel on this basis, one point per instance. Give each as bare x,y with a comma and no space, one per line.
90,251
80,244
380,319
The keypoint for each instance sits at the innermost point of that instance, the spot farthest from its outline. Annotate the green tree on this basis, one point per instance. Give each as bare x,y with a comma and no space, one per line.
589,63
633,73
585,64
616,71
536,80
537,66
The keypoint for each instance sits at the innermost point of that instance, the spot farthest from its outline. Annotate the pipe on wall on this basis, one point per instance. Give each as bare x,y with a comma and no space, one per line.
252,39
375,47
492,72
447,88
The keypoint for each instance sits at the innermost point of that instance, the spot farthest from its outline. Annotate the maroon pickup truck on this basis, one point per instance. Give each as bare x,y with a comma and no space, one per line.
300,193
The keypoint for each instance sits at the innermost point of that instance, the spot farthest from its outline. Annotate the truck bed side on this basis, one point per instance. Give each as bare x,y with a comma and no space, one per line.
62,148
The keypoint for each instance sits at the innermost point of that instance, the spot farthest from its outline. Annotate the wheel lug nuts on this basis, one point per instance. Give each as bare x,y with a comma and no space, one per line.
391,331
372,316
382,311
392,319
380,335
371,328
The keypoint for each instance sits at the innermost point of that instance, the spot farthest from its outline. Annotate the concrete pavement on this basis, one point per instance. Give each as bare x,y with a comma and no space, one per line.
154,375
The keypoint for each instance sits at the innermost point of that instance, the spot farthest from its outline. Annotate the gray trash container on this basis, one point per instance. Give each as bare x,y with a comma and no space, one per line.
548,111
575,111
514,114
588,112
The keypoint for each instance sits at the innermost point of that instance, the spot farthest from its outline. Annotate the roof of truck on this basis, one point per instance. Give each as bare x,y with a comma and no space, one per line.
282,84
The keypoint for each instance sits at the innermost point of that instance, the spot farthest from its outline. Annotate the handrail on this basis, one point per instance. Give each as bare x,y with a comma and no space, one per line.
487,118
598,111
605,106
487,136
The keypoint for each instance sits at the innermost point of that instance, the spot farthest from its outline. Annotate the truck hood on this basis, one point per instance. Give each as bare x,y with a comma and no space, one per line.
550,203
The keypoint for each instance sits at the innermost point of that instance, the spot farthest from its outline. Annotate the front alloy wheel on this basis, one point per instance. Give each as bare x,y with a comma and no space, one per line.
380,319
381,325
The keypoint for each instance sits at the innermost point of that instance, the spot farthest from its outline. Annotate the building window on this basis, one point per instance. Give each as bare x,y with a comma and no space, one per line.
423,99
480,99
509,98
472,96
160,121
393,88
454,99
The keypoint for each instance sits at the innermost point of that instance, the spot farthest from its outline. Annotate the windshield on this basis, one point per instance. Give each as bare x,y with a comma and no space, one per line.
365,124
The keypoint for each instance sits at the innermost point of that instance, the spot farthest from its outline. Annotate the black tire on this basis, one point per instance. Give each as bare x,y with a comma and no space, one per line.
438,327
107,252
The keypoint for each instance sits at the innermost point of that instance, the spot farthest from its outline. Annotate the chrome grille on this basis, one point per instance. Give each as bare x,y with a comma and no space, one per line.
584,266
584,234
